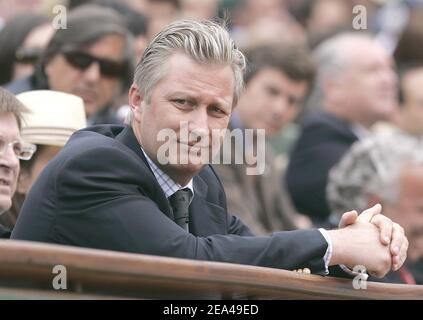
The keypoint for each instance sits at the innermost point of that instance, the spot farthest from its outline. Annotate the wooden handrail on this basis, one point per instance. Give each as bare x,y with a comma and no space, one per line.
101,273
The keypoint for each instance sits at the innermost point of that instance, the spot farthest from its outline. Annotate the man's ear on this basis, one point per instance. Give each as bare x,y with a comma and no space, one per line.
136,101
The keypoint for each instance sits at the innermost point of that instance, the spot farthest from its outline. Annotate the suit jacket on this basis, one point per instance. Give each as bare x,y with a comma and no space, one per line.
259,200
323,141
99,192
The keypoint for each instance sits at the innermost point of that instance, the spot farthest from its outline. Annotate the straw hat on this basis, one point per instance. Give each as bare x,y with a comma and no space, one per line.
52,118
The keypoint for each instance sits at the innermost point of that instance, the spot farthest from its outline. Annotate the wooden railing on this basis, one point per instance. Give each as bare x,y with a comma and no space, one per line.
26,271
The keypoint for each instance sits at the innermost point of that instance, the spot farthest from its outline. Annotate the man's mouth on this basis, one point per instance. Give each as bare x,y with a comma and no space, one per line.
194,144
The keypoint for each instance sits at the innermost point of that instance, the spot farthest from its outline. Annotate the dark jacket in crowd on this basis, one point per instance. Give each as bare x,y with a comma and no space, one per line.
323,141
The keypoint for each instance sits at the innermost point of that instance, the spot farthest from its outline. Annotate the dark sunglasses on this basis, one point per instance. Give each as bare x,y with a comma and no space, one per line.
82,61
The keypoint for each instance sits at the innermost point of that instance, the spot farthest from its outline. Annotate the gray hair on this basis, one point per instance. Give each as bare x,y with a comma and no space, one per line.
9,103
372,166
331,61
205,42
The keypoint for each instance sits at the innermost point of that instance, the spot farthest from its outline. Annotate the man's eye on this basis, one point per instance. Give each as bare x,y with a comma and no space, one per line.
273,91
218,111
180,101
183,103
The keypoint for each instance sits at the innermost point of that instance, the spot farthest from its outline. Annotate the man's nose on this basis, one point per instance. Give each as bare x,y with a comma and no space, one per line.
280,106
9,159
199,122
92,72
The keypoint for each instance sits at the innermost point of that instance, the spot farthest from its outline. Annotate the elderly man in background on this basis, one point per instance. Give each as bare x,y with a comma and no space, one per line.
12,149
387,169
92,58
358,85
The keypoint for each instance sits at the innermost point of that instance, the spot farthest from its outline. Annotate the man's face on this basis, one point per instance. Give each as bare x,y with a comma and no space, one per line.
198,95
9,163
370,83
413,100
408,211
270,101
96,89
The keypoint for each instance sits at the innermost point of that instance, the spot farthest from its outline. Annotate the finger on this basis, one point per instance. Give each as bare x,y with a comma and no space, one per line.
348,218
385,226
368,214
397,239
398,261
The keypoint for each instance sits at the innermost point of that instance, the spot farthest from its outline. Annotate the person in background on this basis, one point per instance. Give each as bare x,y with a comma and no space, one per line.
136,21
9,9
385,168
12,149
93,58
160,14
51,119
22,41
199,9
276,82
409,117
355,94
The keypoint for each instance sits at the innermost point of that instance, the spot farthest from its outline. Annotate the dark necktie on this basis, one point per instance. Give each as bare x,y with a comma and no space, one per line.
180,204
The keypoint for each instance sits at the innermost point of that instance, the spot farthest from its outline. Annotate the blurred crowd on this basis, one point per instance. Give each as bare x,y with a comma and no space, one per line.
336,84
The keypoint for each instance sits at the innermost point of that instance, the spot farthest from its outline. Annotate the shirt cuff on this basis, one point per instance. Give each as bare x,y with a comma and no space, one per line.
328,254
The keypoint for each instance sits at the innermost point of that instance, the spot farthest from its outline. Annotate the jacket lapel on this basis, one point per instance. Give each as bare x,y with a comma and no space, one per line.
206,218
128,138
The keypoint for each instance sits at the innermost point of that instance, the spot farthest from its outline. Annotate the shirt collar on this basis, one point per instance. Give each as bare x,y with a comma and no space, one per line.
360,131
167,184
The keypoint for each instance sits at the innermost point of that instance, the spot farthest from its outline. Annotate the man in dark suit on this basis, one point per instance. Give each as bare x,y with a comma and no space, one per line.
130,188
356,93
